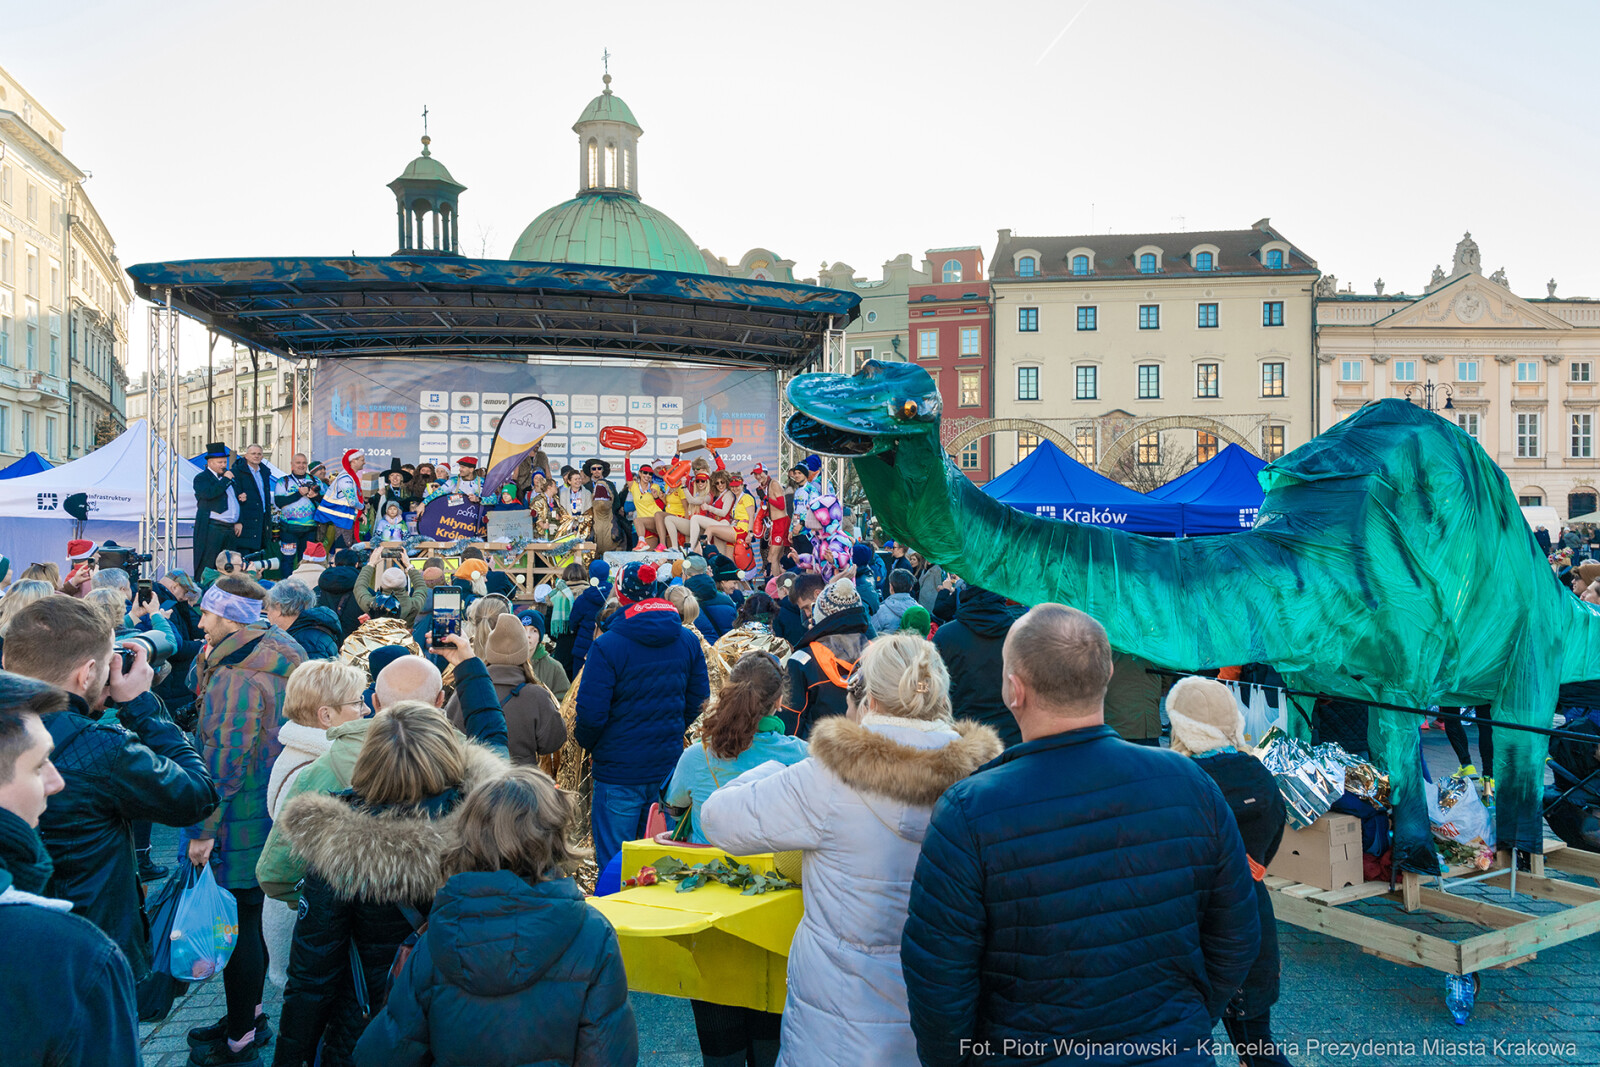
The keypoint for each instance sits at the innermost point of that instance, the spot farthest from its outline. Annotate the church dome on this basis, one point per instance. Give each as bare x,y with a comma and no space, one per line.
609,229
607,224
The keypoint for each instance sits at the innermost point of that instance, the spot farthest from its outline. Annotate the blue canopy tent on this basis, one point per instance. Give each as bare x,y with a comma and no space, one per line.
32,463
1053,484
1222,495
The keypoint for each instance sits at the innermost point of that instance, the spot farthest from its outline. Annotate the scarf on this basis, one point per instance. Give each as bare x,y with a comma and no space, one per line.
23,860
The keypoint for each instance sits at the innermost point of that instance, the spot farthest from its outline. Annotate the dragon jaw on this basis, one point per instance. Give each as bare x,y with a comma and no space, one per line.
863,414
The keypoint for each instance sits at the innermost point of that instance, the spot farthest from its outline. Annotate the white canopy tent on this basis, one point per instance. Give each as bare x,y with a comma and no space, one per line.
34,527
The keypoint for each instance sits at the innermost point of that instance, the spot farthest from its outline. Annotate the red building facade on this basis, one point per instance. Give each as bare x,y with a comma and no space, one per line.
950,326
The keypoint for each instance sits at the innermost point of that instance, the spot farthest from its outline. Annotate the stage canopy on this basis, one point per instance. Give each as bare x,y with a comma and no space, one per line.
1222,495
1053,484
445,306
32,463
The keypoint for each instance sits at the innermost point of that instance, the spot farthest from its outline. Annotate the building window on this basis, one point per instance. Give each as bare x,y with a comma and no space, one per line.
1202,261
1083,437
1532,501
1350,370
1150,448
1528,371
1271,442
1405,370
27,432
1149,316
952,270
30,336
1026,443
1272,313
971,388
1207,319
862,355
5,195
1580,372
1467,370
31,276
593,177
1205,446
970,341
611,168
1088,383
1027,383
1149,381
1527,435
1026,267
1080,264
1028,320
49,436
1205,379
1468,421
5,261
872,316
1583,436
55,345
1086,318
928,344
5,428
1272,379
969,457
1275,259
33,203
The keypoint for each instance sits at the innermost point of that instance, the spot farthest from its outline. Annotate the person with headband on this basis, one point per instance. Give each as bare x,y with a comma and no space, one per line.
243,677
858,809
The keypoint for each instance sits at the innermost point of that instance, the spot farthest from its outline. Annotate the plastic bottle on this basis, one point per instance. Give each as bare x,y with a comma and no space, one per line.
1460,990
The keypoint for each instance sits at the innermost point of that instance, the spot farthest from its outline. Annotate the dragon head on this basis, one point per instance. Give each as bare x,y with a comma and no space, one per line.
871,411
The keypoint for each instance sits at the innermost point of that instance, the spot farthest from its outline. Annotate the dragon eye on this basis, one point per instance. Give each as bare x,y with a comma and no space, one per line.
904,409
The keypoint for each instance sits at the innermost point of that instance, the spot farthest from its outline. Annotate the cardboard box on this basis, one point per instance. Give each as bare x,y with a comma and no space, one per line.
1326,854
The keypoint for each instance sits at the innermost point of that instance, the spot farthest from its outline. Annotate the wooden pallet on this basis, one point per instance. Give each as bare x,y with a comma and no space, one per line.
1513,937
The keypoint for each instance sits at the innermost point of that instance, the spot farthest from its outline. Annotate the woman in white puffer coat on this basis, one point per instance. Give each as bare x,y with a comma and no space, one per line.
321,695
858,808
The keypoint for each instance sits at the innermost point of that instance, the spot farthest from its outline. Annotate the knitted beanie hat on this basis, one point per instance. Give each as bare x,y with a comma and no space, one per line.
507,643
840,596
861,555
530,617
392,580
382,656
916,619
1204,717
599,572
500,582
640,581
471,569
1589,570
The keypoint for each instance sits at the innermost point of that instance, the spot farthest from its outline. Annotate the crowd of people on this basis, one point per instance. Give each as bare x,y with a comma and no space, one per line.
985,862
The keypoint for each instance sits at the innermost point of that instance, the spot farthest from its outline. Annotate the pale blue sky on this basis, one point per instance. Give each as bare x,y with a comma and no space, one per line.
1372,134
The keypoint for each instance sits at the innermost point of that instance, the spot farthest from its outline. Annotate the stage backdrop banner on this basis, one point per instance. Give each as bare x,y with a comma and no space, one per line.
436,411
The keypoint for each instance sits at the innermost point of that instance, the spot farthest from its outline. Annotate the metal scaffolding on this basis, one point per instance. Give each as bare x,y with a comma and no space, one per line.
158,532
836,359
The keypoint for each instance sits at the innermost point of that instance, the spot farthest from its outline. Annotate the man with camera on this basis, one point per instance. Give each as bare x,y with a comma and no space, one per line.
143,769
216,518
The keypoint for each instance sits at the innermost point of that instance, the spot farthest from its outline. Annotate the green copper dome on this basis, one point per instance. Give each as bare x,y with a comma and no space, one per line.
607,107
425,168
609,229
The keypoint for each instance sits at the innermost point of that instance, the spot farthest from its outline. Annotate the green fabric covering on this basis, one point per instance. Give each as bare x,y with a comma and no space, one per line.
1389,564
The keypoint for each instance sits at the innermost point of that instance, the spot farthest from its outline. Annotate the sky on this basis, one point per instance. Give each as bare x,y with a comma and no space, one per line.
1372,134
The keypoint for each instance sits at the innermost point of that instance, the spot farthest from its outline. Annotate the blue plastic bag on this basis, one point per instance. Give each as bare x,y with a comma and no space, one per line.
205,927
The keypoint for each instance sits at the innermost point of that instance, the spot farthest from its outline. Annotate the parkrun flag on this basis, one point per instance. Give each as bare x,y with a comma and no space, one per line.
521,428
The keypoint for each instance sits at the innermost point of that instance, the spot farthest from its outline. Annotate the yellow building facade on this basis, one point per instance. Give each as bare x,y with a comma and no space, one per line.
1520,375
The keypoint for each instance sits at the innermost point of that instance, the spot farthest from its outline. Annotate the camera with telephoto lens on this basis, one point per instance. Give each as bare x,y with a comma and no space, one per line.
158,648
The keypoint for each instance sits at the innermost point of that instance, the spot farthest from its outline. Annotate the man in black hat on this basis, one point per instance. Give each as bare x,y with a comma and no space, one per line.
598,472
216,518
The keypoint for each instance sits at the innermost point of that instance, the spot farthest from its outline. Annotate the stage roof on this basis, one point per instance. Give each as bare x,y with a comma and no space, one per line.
445,305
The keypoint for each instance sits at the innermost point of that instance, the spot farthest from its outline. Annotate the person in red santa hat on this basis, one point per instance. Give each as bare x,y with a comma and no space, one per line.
341,503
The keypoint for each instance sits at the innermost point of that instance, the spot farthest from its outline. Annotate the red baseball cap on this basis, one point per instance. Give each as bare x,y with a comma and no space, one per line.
757,469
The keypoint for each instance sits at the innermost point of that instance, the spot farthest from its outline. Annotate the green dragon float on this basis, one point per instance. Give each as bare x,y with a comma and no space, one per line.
1389,564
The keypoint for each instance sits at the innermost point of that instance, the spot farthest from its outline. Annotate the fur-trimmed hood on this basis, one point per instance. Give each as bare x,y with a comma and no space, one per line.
388,856
871,761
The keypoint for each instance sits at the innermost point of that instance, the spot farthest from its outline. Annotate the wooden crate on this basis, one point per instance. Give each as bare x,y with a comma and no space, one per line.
1513,937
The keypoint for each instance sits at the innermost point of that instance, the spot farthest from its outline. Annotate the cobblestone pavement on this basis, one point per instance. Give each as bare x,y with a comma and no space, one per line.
1543,1012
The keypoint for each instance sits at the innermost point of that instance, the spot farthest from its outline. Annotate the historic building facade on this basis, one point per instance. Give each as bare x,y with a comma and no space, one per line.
1520,375
98,299
879,331
1142,354
950,327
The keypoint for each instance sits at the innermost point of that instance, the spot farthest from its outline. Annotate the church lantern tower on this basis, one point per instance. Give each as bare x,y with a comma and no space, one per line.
426,199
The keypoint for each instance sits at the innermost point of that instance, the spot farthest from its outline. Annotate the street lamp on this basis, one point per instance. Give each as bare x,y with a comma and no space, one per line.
1426,393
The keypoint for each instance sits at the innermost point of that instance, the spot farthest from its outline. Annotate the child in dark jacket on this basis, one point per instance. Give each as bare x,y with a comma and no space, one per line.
1208,726
514,966
586,613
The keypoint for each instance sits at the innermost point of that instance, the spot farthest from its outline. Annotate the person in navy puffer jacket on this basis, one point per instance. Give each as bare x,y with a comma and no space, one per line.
643,684
1078,888
586,612
514,967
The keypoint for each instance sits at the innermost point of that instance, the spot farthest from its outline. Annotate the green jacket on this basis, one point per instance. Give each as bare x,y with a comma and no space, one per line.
280,869
549,671
413,600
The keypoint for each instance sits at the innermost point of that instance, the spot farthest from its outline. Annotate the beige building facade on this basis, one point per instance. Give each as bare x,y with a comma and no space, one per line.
1142,354
1520,375
98,299
880,330
239,402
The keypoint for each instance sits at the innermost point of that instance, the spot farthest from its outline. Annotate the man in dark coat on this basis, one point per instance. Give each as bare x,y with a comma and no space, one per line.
143,769
252,484
716,607
336,591
1078,886
794,610
644,681
971,646
216,516
67,990
824,658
